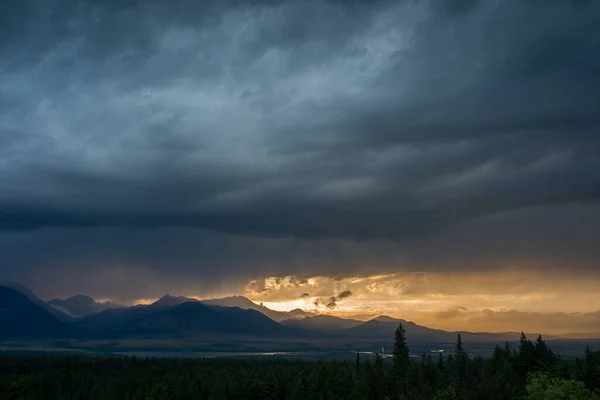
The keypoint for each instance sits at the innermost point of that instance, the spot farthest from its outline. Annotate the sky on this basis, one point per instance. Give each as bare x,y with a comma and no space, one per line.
437,161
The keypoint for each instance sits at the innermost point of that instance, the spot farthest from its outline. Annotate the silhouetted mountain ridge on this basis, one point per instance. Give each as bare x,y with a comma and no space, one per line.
25,315
19,287
247,304
170,301
187,318
21,317
81,305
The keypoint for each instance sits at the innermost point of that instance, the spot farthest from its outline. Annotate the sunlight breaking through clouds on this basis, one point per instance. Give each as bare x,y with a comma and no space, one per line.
442,301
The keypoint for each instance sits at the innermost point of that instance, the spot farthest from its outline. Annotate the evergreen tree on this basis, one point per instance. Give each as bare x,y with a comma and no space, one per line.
440,362
401,361
368,389
462,361
379,375
507,351
497,377
588,369
526,356
545,359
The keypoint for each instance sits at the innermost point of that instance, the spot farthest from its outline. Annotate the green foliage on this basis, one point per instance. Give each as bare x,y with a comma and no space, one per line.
542,387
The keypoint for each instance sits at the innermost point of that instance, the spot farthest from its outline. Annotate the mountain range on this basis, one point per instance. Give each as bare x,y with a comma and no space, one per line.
22,314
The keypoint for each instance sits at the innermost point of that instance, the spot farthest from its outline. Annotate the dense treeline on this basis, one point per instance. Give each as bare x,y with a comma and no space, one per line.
531,371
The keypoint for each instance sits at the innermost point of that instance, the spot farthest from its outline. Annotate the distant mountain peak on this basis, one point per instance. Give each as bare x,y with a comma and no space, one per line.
386,318
170,301
232,301
81,305
19,287
79,298
247,304
168,296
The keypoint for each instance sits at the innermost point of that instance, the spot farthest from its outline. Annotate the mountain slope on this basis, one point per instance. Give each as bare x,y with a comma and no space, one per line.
80,305
58,314
112,320
195,318
185,319
321,323
247,304
21,317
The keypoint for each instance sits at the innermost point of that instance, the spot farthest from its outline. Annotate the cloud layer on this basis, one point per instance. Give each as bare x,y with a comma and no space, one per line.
147,146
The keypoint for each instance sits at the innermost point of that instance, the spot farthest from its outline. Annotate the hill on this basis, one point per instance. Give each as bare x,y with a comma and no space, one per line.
21,317
81,305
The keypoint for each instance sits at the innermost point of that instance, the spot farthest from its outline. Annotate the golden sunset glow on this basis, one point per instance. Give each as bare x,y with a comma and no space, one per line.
143,302
492,302
482,302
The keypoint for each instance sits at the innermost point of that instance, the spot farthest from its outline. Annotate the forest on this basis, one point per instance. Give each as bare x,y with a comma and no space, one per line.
531,371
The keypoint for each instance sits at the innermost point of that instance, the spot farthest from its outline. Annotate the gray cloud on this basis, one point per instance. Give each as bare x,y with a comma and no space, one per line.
258,137
344,295
331,303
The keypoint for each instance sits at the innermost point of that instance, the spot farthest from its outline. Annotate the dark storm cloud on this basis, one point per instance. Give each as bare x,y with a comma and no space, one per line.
273,121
